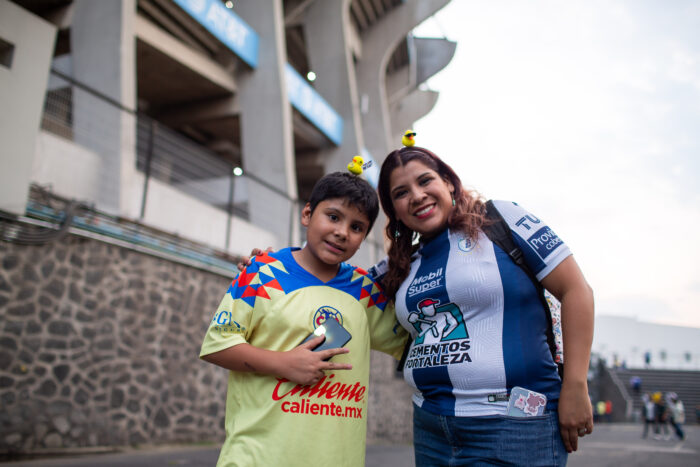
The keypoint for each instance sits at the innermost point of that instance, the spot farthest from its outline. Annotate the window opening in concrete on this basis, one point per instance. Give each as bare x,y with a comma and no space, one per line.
7,52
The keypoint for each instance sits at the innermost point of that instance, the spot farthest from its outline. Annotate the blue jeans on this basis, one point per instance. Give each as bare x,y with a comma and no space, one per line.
447,441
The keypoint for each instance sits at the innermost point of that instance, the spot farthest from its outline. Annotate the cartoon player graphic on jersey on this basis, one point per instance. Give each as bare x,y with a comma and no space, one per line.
427,317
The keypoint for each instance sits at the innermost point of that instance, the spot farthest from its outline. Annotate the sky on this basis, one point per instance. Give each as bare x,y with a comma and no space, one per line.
587,114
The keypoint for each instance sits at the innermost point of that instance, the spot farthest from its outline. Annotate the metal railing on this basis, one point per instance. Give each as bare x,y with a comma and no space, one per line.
79,113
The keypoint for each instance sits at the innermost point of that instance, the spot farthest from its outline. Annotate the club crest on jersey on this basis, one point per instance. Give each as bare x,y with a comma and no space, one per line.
430,313
466,244
324,313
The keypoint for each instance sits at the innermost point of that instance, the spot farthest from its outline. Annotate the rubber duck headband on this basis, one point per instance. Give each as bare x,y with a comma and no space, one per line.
357,165
408,138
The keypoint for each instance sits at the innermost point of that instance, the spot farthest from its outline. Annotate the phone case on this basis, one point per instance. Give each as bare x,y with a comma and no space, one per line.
525,403
336,335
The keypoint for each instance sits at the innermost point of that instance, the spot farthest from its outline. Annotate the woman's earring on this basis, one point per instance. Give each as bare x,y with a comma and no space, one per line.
454,203
397,234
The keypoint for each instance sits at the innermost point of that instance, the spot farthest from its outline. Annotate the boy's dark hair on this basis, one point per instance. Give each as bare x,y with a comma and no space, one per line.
354,189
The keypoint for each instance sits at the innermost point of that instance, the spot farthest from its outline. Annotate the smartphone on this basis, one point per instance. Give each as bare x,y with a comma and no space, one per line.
525,403
336,335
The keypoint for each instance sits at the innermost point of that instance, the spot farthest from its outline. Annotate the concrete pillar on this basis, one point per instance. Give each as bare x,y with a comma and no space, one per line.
103,50
266,124
326,26
407,110
378,43
27,45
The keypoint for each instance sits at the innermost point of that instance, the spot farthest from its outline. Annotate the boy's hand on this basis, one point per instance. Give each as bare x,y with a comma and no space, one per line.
246,260
303,366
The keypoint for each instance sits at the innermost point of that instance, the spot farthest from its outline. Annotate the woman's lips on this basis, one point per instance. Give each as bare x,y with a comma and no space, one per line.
422,213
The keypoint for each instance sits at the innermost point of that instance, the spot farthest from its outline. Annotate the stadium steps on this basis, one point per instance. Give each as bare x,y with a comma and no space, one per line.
684,383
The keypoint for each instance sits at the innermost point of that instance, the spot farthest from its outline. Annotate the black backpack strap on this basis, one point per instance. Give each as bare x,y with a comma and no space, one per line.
497,230
404,355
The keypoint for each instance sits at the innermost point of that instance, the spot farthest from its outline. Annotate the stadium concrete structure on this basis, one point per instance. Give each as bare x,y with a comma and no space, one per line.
626,341
103,87
146,145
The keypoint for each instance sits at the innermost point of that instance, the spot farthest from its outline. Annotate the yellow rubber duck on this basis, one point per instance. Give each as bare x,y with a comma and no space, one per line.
407,139
355,167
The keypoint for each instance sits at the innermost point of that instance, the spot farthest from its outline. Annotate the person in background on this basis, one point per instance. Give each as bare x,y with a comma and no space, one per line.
660,417
608,411
648,412
600,410
636,384
676,412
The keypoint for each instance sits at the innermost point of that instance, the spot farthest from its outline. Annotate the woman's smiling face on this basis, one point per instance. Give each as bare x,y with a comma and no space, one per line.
422,199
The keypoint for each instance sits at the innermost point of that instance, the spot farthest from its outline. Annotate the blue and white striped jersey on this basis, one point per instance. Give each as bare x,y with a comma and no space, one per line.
477,323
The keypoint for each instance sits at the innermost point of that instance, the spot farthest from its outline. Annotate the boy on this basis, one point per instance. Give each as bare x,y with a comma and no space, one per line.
286,404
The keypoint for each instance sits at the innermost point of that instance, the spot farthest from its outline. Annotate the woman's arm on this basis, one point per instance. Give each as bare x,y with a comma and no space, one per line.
300,365
567,284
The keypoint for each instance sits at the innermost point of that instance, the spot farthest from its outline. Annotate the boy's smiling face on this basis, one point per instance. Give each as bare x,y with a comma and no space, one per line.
335,231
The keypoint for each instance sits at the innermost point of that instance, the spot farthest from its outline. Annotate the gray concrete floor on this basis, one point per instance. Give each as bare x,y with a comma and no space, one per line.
610,445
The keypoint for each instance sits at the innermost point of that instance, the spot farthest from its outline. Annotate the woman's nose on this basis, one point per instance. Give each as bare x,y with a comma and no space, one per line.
417,194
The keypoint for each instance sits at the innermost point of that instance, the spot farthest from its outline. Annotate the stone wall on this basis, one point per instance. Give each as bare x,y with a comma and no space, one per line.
99,347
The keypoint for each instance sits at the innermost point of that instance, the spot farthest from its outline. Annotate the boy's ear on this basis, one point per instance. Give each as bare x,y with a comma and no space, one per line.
306,215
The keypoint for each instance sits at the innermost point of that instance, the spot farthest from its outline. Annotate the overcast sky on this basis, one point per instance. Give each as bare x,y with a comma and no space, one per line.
586,113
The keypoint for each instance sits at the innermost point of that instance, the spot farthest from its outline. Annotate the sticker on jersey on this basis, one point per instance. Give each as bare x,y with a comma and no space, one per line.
427,282
466,244
379,270
324,313
544,242
525,403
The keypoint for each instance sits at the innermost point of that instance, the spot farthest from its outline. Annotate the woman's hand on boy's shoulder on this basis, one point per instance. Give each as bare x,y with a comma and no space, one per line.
247,260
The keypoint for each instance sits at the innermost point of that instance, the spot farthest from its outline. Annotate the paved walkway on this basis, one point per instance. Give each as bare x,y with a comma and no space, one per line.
610,445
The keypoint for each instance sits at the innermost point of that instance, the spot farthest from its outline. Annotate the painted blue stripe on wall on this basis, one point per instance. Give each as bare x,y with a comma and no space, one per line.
306,100
226,26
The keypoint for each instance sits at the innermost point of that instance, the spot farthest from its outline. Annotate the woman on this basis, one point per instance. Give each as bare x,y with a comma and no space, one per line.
477,323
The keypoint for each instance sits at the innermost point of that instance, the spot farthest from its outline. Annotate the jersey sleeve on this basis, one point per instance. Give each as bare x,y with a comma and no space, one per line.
385,333
231,324
542,248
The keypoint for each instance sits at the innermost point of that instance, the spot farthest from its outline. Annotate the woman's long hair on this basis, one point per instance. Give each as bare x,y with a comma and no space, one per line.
468,215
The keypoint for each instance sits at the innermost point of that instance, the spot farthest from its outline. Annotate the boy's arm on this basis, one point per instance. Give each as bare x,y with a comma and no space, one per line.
300,365
386,334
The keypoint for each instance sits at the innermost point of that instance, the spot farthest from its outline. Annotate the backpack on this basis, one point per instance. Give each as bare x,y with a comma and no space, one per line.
499,233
